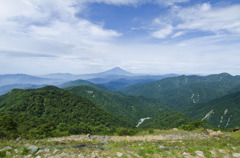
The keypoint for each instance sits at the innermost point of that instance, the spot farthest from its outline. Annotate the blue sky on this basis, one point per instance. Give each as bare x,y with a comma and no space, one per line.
141,36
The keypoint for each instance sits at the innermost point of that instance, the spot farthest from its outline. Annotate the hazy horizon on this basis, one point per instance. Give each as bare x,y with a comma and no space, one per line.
147,37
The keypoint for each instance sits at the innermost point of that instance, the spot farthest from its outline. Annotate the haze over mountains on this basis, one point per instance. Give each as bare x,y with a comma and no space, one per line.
167,100
113,79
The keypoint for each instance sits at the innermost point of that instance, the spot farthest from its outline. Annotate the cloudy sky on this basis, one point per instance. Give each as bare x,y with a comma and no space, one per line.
141,36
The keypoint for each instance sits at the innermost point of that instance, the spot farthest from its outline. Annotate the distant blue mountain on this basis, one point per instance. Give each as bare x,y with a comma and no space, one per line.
10,79
7,88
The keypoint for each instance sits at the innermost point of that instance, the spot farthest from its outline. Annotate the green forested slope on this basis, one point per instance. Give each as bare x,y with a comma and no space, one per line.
49,110
185,90
222,112
166,121
128,108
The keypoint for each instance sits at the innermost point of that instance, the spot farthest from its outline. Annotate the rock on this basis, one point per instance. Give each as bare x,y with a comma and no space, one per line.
186,155
28,156
106,142
64,154
16,151
33,148
55,151
228,136
6,148
47,155
184,148
213,133
199,153
237,155
19,139
88,135
175,129
8,153
163,148
119,154
43,151
80,156
38,157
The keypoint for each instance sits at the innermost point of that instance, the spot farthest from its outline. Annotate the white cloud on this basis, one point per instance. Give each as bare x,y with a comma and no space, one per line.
115,2
137,2
204,17
178,34
163,32
171,2
198,18
49,22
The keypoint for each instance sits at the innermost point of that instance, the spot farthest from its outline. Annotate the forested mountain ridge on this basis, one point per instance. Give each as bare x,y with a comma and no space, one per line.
222,112
47,108
128,108
186,90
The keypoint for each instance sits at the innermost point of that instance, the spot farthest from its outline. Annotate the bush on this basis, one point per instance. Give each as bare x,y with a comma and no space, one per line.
24,151
125,132
151,131
193,125
2,153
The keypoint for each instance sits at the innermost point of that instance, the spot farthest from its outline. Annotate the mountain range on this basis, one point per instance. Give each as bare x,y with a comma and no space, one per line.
112,79
106,101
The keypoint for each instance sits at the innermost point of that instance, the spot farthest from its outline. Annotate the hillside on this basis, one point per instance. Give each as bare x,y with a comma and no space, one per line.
222,112
185,90
166,121
127,108
77,83
50,108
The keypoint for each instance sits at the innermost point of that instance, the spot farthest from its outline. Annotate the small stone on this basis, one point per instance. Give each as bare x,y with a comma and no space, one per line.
175,129
33,148
47,155
64,154
80,156
38,156
119,154
163,148
43,151
228,136
6,148
200,153
16,151
185,154
8,153
184,148
28,156
106,142
237,155
19,139
55,151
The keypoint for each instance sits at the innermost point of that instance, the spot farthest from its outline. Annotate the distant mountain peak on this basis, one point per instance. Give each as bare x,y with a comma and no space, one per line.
117,71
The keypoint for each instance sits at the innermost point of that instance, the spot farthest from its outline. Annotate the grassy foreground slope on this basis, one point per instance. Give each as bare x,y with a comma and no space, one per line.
163,143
